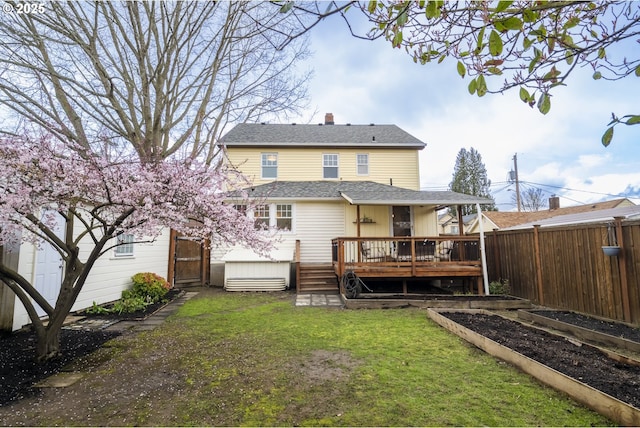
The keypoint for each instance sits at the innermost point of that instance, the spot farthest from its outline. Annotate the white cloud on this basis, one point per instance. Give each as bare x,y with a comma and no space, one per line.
369,82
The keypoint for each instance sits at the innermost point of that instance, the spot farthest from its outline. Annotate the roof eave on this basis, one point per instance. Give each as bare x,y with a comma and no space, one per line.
408,146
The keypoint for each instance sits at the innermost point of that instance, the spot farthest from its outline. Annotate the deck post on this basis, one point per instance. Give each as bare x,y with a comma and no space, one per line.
483,254
297,262
413,257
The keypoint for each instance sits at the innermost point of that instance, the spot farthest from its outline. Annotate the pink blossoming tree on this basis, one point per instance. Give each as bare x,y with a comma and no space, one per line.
112,116
101,197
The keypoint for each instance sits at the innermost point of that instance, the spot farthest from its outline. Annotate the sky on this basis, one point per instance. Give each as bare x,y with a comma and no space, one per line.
362,82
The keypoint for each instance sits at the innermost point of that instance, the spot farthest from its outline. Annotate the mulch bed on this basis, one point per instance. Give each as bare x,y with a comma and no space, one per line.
582,362
138,315
18,369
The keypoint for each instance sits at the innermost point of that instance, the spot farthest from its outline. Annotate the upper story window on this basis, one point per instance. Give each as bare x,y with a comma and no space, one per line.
330,166
269,165
362,164
125,245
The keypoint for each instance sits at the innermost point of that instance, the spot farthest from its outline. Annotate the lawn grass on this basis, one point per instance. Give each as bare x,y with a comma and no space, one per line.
257,360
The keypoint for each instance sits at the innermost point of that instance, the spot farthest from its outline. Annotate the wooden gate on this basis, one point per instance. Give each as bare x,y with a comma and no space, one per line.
189,261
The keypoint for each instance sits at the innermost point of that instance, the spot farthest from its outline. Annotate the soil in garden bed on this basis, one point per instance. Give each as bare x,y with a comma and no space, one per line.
607,327
581,362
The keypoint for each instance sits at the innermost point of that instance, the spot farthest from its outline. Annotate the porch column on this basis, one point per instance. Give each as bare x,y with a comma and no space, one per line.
485,274
358,221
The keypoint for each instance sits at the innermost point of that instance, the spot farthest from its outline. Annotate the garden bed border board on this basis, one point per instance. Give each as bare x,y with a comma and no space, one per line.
581,333
436,301
603,403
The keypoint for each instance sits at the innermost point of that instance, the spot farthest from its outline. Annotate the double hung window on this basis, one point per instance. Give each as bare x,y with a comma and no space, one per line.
330,165
269,165
125,245
362,164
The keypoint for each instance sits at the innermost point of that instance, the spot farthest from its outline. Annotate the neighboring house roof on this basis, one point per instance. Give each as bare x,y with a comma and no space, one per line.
359,193
343,136
445,219
504,220
603,215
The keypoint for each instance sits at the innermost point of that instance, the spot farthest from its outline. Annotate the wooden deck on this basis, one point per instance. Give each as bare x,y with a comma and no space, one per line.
410,257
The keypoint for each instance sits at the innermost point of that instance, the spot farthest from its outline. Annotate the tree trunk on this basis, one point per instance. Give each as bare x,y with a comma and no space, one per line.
48,346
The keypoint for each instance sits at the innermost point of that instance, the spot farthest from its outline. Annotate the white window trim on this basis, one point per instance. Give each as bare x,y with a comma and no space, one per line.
262,165
337,167
358,164
273,216
128,255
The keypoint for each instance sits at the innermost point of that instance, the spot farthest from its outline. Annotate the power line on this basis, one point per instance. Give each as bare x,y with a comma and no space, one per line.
577,190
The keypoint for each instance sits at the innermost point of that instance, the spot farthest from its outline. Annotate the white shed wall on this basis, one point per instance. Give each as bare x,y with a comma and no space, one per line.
109,276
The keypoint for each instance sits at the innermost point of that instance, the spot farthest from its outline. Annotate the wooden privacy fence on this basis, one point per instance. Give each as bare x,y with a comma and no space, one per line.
566,268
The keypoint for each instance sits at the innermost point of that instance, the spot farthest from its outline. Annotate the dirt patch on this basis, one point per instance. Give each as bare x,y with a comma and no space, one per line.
581,362
326,365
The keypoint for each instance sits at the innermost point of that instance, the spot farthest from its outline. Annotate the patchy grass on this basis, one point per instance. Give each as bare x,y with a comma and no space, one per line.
257,360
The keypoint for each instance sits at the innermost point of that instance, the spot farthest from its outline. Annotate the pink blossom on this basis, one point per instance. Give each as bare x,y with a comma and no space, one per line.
113,193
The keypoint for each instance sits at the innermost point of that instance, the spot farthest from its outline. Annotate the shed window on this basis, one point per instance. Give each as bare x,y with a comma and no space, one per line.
330,165
125,245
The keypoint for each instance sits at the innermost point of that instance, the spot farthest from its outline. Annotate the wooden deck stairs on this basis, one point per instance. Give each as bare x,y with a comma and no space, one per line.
317,278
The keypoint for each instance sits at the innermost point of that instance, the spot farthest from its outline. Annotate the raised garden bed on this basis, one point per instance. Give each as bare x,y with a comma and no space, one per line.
599,380
455,301
589,329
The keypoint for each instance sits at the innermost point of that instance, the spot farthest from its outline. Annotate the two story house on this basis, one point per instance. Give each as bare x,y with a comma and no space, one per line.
338,193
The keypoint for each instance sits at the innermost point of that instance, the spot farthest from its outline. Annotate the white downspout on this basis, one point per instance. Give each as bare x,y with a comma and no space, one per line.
485,274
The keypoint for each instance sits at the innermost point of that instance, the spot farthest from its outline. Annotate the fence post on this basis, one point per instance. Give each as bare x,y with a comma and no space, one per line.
497,273
538,261
622,266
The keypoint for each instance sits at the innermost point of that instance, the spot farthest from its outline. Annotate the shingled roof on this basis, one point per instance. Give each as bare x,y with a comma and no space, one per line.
506,220
359,193
343,136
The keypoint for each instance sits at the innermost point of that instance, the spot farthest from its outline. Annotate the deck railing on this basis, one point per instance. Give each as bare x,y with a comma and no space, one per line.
408,256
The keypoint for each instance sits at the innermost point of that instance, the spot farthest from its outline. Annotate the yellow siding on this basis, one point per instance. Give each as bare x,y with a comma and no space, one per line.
300,164
424,221
379,215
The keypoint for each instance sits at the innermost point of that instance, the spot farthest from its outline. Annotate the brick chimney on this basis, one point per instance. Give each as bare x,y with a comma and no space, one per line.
328,119
554,202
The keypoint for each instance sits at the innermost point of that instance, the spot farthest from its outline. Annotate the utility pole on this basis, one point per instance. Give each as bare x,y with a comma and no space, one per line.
515,167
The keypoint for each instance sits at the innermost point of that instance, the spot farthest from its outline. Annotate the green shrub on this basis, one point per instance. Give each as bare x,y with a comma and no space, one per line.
150,286
499,287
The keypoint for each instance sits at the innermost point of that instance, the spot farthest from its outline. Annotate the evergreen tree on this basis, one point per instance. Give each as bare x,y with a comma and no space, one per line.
470,177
